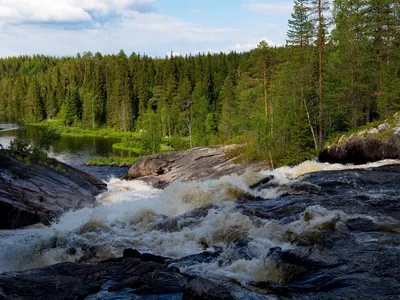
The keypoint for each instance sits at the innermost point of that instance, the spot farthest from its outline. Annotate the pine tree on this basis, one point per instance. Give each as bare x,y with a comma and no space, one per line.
200,110
124,89
151,136
350,67
34,103
319,8
228,102
72,106
299,37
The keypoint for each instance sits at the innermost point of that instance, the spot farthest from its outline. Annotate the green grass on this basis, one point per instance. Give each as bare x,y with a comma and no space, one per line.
118,161
334,140
129,147
103,132
80,132
134,148
166,148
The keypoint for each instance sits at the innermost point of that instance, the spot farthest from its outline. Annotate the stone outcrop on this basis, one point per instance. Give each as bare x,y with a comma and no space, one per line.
130,277
37,192
196,164
367,145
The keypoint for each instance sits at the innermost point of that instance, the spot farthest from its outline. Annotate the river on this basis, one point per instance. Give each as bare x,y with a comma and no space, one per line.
74,151
313,216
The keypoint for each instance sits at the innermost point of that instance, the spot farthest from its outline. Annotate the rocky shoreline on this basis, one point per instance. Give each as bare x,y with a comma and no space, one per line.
38,192
366,145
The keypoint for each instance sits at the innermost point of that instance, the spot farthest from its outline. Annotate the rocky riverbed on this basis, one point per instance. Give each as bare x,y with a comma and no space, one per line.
315,231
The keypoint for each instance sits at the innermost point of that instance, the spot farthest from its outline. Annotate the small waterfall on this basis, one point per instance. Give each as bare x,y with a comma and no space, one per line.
182,220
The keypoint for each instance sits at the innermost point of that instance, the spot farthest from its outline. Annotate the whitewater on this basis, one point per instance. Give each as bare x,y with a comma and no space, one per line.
183,219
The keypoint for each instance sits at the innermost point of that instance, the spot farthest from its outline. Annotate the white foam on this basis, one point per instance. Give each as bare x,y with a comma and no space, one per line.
133,214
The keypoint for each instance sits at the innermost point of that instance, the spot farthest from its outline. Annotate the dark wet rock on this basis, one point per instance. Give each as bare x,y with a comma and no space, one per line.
355,279
360,152
77,281
204,257
122,278
299,188
146,257
362,224
263,183
366,145
38,192
347,256
221,288
374,191
196,164
162,281
238,249
188,219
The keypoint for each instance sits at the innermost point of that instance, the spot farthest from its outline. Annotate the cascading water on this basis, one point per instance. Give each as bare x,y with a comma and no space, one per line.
182,220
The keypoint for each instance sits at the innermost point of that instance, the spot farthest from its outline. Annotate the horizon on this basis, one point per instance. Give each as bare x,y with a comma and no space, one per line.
147,27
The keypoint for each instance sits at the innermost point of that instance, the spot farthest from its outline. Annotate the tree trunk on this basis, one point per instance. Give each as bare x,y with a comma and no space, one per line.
265,91
320,47
304,103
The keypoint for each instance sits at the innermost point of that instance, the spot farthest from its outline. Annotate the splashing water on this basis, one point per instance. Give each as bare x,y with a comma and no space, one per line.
184,219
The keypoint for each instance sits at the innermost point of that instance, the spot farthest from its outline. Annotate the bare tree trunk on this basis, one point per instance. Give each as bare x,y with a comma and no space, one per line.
320,46
304,103
265,91
189,119
271,160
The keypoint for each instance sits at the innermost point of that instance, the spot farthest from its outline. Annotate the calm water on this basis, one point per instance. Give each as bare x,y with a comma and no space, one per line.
74,151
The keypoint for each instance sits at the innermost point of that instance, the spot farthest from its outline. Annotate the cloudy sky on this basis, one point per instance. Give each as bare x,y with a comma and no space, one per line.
154,27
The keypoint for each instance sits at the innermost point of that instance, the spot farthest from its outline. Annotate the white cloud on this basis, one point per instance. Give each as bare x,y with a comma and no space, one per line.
41,11
240,47
45,11
173,54
171,29
152,33
269,7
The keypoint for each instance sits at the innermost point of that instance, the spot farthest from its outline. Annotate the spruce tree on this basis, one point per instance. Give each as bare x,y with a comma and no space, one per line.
35,111
72,106
227,96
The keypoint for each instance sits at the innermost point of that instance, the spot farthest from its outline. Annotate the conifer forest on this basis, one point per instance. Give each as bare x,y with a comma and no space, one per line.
339,70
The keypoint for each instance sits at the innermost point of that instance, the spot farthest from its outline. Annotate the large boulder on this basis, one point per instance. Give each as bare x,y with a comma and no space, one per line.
196,164
37,192
366,145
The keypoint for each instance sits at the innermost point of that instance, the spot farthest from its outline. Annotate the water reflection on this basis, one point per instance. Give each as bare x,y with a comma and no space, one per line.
75,151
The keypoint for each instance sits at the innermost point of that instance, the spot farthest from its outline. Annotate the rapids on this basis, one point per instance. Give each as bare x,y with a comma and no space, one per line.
182,220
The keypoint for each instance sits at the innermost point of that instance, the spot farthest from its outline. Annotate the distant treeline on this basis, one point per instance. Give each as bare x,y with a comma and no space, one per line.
339,70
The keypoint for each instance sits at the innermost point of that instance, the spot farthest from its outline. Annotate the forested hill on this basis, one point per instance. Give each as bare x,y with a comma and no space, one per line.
340,69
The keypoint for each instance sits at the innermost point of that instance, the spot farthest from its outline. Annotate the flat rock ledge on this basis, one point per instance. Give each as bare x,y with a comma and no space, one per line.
38,192
198,164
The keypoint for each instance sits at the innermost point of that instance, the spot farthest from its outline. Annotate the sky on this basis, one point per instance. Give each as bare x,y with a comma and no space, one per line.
152,27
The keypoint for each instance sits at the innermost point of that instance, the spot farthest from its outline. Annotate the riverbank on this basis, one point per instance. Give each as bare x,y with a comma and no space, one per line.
128,144
81,132
373,142
38,190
